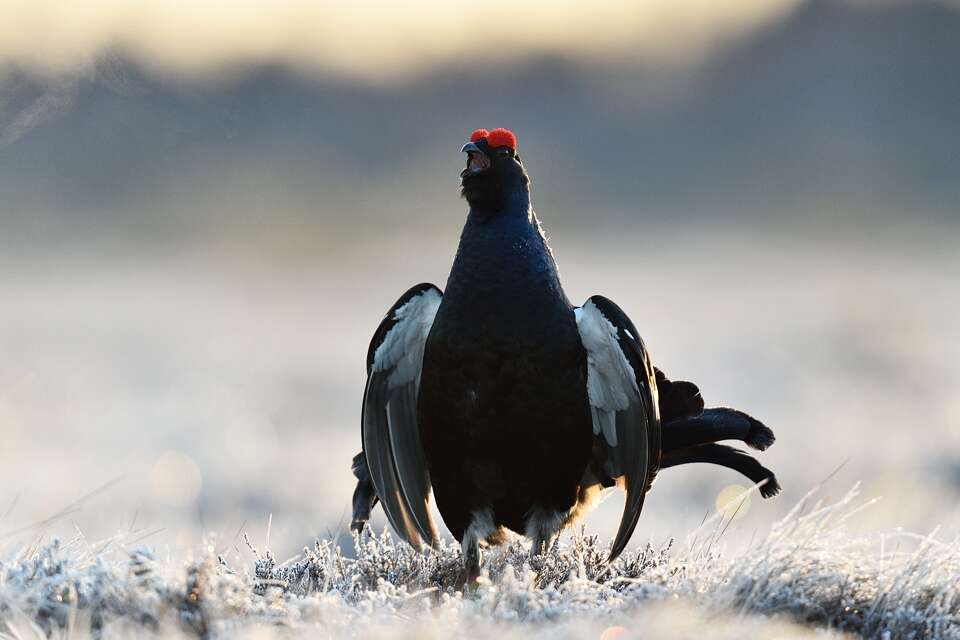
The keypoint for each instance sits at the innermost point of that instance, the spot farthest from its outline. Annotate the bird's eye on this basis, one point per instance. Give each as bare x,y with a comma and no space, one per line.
504,151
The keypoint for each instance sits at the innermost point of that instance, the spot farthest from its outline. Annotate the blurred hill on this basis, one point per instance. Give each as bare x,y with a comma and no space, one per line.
840,114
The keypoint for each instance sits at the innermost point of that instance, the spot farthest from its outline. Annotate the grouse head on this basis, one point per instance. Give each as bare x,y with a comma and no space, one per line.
494,177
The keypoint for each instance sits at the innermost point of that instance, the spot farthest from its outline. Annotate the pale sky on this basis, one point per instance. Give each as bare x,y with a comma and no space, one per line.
371,38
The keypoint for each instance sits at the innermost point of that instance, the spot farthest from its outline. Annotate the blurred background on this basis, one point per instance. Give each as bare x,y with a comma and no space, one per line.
206,207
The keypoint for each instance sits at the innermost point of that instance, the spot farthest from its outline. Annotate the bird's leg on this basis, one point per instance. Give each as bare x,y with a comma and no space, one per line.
725,457
713,425
543,527
472,557
480,528
364,496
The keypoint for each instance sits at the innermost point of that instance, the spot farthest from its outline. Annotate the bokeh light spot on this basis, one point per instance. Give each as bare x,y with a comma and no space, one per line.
733,501
615,633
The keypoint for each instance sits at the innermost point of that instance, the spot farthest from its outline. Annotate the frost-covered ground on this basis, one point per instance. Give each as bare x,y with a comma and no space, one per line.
807,574
154,399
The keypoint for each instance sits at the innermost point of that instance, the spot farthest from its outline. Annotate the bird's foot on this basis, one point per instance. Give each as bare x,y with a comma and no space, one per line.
467,582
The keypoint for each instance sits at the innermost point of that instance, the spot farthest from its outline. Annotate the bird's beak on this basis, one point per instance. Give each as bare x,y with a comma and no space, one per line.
477,160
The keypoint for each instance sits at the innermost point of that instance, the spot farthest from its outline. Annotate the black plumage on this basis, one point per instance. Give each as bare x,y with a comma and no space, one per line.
510,403
503,410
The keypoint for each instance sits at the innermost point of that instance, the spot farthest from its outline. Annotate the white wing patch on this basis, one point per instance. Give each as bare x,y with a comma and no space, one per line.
611,381
403,345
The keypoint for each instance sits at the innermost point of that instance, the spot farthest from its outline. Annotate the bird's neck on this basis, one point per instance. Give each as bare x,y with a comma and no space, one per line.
513,204
504,255
498,230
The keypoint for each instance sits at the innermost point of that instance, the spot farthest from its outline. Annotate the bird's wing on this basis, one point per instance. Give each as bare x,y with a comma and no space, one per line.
622,388
391,436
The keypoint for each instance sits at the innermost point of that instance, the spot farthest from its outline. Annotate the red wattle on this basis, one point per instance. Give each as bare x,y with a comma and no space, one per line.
502,138
479,133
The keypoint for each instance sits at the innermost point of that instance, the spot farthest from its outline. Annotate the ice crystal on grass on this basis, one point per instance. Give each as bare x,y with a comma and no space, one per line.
808,570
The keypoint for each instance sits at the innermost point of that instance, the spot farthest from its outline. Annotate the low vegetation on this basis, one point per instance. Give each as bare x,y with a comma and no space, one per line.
808,575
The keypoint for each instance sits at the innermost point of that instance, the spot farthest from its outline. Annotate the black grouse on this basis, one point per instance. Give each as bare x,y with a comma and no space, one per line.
510,405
